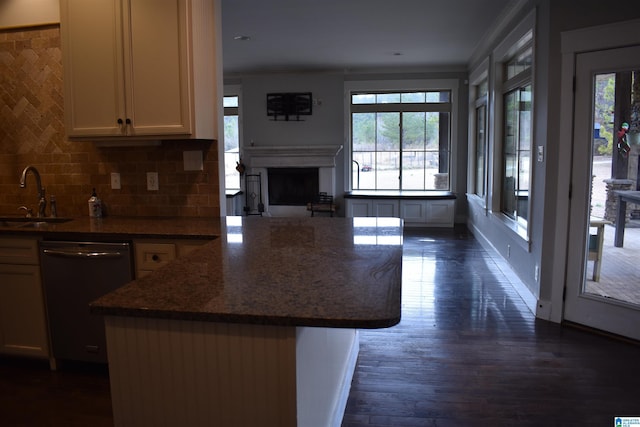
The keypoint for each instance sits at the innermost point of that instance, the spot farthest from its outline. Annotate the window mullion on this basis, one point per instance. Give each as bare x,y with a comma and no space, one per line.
400,148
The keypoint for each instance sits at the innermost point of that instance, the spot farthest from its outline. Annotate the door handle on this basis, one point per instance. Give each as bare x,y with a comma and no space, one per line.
81,254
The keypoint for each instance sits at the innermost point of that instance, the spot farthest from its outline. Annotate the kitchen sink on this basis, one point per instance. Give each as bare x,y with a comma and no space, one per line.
30,222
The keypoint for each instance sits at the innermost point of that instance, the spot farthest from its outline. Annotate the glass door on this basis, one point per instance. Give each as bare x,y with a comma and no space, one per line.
603,285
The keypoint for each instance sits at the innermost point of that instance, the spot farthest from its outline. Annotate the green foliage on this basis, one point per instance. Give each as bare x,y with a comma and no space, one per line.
603,111
231,137
380,131
388,131
364,131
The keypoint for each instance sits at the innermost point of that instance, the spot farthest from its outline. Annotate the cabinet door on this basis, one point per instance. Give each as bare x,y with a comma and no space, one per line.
441,213
358,207
126,69
386,208
23,329
414,211
156,67
93,69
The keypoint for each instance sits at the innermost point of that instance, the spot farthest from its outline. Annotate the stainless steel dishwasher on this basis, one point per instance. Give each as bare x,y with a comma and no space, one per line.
73,275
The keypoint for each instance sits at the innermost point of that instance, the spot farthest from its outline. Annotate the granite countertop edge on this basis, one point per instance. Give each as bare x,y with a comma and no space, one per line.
378,323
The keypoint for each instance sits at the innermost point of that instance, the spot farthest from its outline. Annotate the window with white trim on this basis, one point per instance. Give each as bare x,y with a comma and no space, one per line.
480,138
517,119
400,140
511,125
231,141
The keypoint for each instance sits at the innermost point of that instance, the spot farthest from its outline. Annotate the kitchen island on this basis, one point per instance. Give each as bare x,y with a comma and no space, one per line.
258,327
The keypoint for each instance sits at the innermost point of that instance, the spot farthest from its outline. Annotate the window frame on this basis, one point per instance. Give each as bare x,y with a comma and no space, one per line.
396,86
233,91
522,37
477,77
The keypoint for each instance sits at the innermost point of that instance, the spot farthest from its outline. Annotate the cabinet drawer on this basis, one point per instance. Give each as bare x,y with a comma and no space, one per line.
19,251
150,256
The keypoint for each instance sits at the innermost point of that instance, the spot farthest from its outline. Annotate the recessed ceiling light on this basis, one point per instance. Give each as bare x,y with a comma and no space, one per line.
242,38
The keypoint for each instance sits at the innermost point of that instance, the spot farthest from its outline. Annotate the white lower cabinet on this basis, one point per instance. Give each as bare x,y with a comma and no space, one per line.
440,212
373,208
386,208
23,326
414,212
359,207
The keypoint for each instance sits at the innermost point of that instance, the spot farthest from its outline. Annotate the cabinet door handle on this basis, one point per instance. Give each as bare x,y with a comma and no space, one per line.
155,258
120,121
128,122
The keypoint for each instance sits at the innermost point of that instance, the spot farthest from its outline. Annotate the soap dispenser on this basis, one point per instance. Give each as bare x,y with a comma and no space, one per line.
54,206
95,205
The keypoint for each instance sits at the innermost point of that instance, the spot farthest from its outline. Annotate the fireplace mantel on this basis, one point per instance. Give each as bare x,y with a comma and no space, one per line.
292,156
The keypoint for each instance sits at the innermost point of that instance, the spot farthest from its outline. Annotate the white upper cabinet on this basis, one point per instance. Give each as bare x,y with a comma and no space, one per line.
139,69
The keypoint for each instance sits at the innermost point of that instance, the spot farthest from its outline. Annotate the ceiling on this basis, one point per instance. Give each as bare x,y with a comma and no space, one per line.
352,35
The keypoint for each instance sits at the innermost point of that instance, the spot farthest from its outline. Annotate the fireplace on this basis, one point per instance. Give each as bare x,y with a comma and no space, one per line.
293,176
292,186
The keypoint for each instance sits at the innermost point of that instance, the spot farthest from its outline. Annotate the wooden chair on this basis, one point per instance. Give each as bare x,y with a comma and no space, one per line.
323,203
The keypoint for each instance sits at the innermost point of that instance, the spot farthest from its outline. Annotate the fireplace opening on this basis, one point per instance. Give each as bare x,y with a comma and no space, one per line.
292,186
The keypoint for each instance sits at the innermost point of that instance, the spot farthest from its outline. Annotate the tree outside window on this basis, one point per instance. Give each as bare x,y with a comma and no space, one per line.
400,140
231,142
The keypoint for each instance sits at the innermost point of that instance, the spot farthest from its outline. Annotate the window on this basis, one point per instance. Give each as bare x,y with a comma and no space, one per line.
231,142
511,106
480,139
517,131
400,140
517,153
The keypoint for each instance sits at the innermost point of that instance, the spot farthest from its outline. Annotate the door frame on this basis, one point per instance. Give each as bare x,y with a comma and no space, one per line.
592,39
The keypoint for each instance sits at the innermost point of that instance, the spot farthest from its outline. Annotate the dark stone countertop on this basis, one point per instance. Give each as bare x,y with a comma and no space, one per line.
110,228
325,272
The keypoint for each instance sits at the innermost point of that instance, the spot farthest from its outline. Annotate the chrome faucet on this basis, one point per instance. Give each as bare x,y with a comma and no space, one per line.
42,201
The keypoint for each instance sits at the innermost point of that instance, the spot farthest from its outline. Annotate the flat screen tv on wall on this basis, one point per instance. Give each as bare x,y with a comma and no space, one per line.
289,106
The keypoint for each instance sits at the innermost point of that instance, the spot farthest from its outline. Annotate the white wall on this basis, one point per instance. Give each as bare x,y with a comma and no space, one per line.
323,127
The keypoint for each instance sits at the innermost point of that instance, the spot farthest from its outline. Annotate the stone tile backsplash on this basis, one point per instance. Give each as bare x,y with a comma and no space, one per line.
32,133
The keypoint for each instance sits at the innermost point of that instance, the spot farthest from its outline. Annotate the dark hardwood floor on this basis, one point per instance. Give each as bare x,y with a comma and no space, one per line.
31,394
466,353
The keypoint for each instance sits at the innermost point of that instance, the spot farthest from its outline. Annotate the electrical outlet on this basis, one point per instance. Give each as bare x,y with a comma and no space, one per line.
115,181
152,181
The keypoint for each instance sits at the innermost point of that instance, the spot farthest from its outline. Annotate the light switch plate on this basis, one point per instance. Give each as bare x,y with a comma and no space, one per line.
152,181
192,160
115,181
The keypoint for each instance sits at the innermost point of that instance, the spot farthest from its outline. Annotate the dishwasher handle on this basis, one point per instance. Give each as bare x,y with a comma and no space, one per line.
82,254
